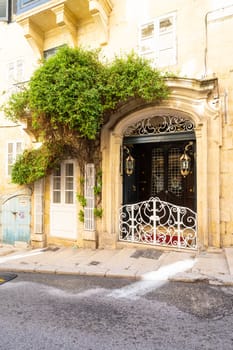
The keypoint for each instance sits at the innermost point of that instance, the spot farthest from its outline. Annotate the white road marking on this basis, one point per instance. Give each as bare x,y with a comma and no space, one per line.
152,280
19,256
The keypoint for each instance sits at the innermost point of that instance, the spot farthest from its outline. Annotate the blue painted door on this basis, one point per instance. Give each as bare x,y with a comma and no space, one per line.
16,219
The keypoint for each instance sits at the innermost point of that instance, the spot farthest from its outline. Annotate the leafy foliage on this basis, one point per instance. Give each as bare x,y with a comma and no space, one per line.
69,97
132,76
34,164
64,93
17,105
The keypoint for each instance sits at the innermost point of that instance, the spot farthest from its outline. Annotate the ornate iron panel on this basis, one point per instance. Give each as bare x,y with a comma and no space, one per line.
161,124
156,222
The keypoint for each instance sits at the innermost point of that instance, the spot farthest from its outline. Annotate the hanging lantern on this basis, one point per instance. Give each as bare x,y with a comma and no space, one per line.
129,165
185,164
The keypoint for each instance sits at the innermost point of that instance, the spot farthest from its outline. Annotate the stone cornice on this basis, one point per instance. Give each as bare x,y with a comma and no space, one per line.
39,20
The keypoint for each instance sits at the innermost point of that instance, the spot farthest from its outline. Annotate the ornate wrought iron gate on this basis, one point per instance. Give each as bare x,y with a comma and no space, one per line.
156,222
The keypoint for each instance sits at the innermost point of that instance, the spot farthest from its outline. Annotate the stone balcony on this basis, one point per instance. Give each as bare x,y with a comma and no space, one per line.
39,17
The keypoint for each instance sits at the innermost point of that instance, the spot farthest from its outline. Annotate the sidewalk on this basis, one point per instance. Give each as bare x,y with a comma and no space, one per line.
214,265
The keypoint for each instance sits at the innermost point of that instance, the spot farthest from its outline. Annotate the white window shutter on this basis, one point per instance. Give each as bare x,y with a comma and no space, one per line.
89,220
167,41
157,40
38,205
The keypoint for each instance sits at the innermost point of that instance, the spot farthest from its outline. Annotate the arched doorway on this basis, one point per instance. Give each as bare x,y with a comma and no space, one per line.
192,100
159,182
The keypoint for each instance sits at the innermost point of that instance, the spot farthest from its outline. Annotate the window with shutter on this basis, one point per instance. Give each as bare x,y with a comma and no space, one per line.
14,149
63,184
16,71
157,41
89,221
4,10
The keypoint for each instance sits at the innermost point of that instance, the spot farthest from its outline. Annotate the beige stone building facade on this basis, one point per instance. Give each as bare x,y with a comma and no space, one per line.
166,170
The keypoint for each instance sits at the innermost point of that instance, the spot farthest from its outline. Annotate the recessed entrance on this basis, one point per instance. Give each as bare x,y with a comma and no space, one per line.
159,183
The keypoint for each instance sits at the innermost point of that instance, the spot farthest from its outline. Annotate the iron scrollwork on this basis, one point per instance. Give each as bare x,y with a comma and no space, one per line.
159,125
156,222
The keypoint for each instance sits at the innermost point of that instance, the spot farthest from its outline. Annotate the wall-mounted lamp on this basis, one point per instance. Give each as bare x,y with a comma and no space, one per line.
129,165
129,162
185,161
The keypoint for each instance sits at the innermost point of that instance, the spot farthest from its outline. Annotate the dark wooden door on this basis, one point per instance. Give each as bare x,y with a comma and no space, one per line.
157,174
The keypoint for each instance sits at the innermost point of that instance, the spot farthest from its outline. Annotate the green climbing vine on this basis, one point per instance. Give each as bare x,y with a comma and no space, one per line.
98,210
68,99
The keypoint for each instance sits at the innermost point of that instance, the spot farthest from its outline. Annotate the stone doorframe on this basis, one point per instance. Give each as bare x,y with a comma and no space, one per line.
197,100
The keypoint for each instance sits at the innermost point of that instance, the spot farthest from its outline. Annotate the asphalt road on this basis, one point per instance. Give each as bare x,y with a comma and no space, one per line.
52,312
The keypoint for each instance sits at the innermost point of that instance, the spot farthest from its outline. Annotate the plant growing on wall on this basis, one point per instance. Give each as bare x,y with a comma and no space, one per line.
68,99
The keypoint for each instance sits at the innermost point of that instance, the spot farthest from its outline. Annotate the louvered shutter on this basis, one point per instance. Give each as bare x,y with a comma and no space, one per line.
89,222
38,206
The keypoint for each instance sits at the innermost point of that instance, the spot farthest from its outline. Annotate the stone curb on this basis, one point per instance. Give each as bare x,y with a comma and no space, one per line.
224,280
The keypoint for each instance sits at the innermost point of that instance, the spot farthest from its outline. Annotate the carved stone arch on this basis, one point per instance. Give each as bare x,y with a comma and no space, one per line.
190,100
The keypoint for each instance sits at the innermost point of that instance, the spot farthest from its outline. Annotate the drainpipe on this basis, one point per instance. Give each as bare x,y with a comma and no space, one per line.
206,44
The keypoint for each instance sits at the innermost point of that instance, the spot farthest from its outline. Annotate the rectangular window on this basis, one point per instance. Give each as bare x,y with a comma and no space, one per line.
8,9
14,149
63,184
16,71
50,52
4,10
158,40
57,185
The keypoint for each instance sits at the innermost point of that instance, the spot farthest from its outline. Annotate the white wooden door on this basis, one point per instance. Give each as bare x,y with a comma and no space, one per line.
63,213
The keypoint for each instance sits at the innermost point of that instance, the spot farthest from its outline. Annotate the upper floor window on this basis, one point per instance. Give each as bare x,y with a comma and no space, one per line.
16,71
50,52
14,149
7,9
158,40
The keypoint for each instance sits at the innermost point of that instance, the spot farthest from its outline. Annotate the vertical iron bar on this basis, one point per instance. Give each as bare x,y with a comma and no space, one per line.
132,220
154,219
178,226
